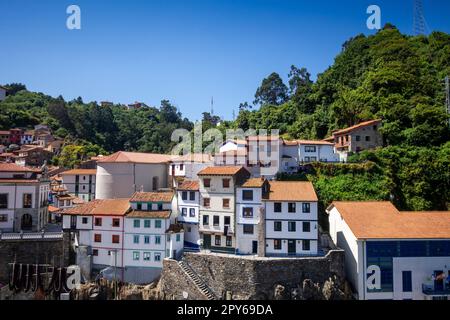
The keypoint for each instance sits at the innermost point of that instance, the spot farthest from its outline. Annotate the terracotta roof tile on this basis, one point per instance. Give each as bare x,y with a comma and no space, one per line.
254,183
357,126
152,197
113,207
292,191
136,157
189,185
193,157
79,172
382,220
164,214
11,167
221,171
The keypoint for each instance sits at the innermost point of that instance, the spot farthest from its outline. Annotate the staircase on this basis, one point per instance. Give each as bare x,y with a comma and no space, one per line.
199,283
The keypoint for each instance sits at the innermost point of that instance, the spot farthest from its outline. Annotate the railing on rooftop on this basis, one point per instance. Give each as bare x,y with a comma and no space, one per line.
31,236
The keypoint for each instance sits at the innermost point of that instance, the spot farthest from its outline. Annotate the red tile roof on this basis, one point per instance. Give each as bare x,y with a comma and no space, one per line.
152,197
113,207
193,157
135,157
79,172
11,167
189,185
221,171
382,220
292,191
357,126
253,183
163,214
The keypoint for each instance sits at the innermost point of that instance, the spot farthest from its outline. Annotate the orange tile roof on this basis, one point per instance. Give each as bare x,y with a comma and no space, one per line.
312,142
267,137
12,167
113,207
189,185
193,157
164,214
221,171
53,209
254,183
152,197
79,172
291,191
135,157
382,220
357,126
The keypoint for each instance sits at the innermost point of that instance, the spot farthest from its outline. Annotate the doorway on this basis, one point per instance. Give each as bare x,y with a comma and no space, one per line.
27,222
207,241
255,247
291,247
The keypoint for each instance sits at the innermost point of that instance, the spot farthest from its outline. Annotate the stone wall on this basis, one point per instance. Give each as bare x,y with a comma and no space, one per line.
43,251
249,277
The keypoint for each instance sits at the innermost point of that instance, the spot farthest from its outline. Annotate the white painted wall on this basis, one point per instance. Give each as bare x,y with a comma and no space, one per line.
189,206
270,250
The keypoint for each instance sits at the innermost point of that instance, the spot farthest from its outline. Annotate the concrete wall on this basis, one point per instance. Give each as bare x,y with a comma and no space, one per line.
248,277
55,252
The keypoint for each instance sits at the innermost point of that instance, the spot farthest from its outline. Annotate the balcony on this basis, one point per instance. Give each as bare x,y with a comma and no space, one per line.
431,289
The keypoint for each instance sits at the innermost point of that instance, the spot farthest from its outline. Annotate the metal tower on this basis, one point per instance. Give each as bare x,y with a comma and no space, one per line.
447,95
212,106
419,18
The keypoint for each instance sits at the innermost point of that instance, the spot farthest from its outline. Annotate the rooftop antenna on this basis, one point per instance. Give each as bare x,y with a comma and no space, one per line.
419,18
212,105
447,96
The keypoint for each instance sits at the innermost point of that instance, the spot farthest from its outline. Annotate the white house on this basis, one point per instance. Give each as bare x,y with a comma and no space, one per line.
23,198
188,207
217,206
291,219
150,236
250,223
80,183
316,150
122,173
187,166
233,145
2,93
391,254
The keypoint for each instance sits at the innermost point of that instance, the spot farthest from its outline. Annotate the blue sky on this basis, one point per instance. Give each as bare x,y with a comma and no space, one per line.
182,50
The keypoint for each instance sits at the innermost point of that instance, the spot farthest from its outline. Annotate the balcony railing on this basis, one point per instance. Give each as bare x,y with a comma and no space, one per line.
432,289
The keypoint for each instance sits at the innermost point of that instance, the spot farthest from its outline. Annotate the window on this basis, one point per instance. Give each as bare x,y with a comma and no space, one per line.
160,206
277,226
367,138
184,212
116,222
97,237
247,195
3,217
84,220
291,226
291,207
226,203
157,256
191,212
178,237
216,220
98,222
206,202
135,255
95,252
277,207
207,183
247,212
146,239
407,281
27,200
206,220
184,195
137,223
310,148
192,195
248,228
115,238
158,224
225,183
306,226
358,138
157,239
146,256
181,167
306,207
136,238
306,245
217,240
155,181
277,244
146,223
228,241
139,206
226,221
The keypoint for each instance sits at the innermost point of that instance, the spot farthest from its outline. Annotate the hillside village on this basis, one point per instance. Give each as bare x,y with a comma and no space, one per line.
145,217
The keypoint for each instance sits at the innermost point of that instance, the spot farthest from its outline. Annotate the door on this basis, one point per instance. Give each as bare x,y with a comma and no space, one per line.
207,241
255,247
439,280
27,222
291,247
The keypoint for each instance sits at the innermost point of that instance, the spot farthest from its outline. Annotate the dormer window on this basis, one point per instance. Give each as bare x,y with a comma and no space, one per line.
207,183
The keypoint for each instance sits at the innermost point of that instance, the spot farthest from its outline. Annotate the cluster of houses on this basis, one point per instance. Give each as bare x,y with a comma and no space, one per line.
128,211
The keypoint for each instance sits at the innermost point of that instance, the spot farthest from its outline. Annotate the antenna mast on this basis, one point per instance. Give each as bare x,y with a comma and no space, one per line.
212,106
419,18
447,96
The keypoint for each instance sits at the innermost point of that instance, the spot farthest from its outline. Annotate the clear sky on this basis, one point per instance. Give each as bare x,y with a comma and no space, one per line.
183,50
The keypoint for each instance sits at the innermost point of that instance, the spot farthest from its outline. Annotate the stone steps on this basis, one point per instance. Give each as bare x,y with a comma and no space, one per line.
197,281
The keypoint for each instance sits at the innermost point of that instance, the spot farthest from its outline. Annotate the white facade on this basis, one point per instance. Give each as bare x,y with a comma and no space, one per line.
317,152
188,208
81,185
291,232
121,180
233,145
